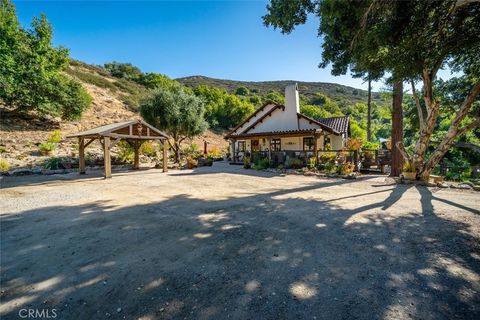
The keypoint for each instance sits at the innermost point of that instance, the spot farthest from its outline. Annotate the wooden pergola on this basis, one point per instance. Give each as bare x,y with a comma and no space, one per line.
135,132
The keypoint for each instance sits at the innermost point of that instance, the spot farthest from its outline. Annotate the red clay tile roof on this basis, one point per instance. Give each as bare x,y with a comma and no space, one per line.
322,125
339,124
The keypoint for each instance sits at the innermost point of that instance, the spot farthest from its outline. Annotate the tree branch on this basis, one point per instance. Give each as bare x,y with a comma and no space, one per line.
419,107
470,126
402,150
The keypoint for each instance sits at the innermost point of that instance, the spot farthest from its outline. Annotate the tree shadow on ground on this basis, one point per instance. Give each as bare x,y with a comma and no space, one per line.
269,256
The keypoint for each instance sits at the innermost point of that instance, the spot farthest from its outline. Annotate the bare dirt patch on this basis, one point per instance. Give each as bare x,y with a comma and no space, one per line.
224,242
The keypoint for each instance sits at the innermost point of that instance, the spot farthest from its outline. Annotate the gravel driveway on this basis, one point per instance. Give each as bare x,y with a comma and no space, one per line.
224,242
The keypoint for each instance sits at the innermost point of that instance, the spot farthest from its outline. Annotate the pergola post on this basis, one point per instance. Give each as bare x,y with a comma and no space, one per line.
165,156
106,158
136,158
81,155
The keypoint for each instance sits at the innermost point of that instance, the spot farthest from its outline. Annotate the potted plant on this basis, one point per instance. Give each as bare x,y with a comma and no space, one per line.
246,163
191,163
409,171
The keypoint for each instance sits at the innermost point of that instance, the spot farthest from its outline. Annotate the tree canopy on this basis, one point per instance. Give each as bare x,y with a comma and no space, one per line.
177,112
31,77
408,40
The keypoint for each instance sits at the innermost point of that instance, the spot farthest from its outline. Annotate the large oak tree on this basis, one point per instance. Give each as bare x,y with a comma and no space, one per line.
409,40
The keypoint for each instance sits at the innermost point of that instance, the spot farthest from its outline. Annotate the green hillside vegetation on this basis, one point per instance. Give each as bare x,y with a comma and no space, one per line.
339,93
31,70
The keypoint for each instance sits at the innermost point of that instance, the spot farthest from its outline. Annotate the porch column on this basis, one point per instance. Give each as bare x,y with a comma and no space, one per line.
165,156
136,158
233,150
315,147
106,158
269,143
81,155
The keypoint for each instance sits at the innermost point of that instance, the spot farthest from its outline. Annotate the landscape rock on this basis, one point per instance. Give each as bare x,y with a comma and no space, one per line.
464,186
21,172
442,185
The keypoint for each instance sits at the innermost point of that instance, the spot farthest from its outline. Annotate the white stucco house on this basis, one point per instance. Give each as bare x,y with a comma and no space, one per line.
281,131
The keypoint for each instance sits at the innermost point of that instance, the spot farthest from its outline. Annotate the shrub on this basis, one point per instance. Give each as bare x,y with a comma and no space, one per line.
246,162
346,168
125,151
4,165
192,151
354,144
326,157
55,137
295,163
55,163
261,164
368,145
47,147
215,153
149,149
3,149
329,167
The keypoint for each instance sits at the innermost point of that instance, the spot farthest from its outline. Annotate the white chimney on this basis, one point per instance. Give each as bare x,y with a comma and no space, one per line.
292,105
292,100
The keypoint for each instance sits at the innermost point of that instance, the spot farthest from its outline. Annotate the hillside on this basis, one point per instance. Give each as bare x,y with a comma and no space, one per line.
334,91
114,100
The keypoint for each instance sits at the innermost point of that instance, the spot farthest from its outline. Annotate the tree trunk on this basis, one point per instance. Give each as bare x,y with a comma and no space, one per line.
453,132
429,124
176,150
369,111
397,128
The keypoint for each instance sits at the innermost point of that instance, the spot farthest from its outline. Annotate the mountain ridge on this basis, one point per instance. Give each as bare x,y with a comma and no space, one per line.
335,91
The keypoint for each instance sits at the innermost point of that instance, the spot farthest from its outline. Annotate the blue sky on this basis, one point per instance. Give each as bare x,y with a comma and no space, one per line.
220,39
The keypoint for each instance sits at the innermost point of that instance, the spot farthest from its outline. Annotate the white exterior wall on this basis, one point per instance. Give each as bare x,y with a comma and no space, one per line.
292,143
304,124
336,142
258,116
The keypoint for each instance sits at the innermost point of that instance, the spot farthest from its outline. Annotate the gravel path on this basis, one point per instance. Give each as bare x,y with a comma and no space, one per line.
224,242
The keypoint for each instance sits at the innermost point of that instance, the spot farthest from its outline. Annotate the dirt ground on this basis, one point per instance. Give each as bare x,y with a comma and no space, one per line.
224,242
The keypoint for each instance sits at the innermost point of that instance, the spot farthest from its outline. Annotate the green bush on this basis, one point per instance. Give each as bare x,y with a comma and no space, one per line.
295,163
4,165
47,147
3,149
125,151
149,149
56,163
368,145
55,137
261,164
329,167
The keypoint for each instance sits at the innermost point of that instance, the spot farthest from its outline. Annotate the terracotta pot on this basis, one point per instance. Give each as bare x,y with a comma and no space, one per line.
409,175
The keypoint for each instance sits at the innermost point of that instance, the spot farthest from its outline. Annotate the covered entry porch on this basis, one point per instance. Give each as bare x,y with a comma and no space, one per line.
135,132
278,146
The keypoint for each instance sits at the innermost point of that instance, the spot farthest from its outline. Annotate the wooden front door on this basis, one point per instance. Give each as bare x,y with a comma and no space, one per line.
255,145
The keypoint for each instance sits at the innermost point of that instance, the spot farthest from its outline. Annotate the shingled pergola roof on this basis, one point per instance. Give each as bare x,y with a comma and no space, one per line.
135,129
135,132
